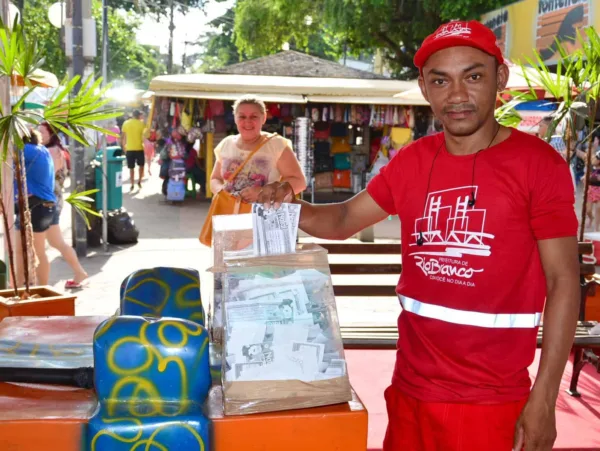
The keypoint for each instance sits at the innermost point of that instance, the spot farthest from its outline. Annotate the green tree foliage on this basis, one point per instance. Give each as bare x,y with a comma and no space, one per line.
397,27
159,8
127,58
221,46
48,37
263,26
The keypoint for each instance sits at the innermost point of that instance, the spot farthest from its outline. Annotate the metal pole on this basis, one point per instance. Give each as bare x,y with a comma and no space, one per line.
20,4
171,29
103,137
7,171
78,176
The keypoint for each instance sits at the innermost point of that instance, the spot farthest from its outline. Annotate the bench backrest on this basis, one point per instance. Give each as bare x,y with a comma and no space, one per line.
586,269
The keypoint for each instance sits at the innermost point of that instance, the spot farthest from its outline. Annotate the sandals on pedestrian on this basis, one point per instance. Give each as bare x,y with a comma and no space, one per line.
72,285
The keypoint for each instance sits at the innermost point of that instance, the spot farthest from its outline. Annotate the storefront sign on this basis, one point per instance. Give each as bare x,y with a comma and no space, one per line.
560,19
498,22
527,26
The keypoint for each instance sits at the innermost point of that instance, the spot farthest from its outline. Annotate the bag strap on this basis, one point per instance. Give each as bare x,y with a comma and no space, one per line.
249,157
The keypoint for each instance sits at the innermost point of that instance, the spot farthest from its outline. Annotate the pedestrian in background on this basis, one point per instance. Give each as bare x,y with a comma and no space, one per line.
132,139
54,235
113,140
149,152
39,172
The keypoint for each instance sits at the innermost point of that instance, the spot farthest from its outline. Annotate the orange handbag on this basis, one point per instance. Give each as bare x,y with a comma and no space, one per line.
224,203
342,179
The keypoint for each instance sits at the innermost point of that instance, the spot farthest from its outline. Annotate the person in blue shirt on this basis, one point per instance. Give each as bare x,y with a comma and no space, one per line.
39,172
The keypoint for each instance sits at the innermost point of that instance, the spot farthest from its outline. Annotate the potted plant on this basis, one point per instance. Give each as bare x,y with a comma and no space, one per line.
575,86
70,111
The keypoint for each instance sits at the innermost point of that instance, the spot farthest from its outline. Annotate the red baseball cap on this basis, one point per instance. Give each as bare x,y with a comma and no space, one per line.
457,34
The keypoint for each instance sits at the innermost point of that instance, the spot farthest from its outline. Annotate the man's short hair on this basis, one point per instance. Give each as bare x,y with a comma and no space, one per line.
136,114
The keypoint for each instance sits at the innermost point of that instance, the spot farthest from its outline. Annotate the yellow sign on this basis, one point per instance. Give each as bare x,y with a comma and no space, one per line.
531,25
560,20
498,22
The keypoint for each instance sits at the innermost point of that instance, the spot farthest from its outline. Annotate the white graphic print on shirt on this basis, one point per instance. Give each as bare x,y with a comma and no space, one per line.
450,229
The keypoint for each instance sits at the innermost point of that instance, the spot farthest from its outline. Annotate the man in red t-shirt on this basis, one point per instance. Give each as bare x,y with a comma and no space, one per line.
488,237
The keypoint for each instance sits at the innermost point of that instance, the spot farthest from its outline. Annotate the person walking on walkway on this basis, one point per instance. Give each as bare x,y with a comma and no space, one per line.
489,242
132,141
38,169
54,235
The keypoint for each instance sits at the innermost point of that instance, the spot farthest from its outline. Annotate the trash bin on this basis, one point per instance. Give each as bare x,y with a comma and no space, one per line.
114,174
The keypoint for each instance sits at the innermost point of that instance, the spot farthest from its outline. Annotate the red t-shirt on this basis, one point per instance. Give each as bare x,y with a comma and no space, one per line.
473,293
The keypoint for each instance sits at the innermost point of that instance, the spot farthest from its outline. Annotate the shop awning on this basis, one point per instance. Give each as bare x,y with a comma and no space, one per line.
362,100
210,95
199,85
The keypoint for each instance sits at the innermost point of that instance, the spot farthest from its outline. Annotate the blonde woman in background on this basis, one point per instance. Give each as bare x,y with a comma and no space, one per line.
274,161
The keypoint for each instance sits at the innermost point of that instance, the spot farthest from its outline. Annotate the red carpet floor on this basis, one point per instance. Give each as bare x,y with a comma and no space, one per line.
578,419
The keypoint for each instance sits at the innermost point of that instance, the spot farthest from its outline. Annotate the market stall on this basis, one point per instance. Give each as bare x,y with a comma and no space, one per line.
338,126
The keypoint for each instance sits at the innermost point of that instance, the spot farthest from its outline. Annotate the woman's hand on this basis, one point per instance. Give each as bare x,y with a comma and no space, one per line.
274,194
250,194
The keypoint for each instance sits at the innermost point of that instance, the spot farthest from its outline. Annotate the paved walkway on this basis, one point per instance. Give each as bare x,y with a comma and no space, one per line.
169,237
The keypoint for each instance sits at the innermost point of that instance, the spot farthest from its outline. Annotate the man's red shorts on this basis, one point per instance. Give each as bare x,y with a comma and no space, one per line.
426,426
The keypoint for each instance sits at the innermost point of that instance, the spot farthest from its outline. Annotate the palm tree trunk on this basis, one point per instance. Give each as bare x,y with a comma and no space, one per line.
11,259
588,170
21,212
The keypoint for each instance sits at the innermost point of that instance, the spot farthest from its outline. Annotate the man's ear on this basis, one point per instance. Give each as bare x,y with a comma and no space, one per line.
422,87
502,75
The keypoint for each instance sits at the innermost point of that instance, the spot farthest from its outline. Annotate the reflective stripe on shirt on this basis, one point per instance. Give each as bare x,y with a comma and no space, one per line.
469,318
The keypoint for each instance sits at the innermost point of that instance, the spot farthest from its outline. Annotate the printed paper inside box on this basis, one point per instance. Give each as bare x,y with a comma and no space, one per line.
281,325
231,234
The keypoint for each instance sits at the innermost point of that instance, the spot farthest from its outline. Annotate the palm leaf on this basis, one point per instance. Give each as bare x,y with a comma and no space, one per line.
71,110
22,100
81,203
9,46
507,114
80,111
85,193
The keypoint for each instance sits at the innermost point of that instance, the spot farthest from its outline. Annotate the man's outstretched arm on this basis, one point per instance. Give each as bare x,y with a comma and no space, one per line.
327,221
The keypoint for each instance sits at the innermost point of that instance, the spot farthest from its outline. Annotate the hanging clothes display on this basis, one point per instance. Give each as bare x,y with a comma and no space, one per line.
333,141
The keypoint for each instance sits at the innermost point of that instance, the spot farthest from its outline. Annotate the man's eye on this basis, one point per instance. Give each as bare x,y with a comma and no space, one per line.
474,77
438,81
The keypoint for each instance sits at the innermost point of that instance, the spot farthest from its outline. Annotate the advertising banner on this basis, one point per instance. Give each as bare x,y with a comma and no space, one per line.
560,20
498,22
527,26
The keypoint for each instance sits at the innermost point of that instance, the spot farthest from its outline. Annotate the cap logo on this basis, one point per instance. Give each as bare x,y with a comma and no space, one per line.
454,29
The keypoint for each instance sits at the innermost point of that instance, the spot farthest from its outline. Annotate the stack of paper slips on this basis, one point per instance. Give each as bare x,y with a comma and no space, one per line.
275,231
